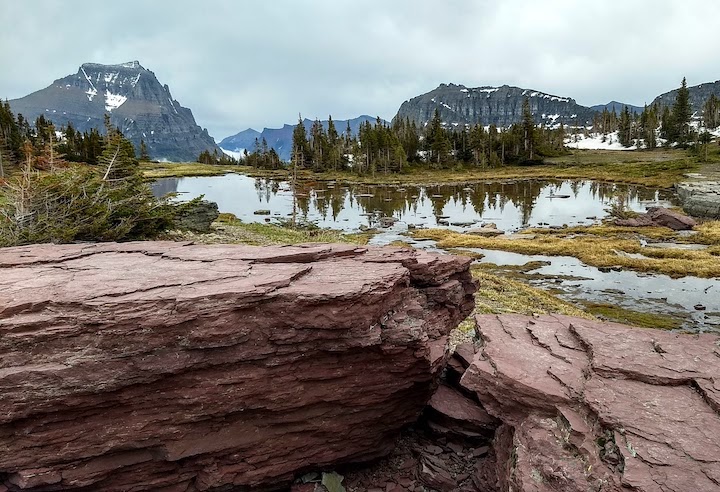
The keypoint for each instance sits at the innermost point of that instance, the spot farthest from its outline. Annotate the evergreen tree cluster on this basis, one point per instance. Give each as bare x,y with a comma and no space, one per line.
20,141
673,122
263,156
213,158
47,198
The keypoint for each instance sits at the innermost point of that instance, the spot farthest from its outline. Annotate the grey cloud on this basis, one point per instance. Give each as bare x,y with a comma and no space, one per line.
254,63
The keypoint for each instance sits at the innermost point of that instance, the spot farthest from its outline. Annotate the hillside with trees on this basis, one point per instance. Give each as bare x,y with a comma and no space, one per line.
382,147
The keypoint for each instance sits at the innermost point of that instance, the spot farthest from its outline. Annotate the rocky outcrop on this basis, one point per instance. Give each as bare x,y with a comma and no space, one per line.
700,198
500,106
587,405
136,101
176,367
197,217
659,216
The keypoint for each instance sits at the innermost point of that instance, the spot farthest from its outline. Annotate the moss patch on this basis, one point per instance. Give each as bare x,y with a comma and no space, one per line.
155,170
498,295
634,318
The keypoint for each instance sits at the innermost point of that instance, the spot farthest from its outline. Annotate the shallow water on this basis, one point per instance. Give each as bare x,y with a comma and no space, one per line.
651,293
512,205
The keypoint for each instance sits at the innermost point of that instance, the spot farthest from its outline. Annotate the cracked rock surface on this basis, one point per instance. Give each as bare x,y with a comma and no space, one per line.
594,406
176,367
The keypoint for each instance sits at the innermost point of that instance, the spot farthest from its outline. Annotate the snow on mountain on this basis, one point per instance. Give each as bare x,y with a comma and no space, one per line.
500,106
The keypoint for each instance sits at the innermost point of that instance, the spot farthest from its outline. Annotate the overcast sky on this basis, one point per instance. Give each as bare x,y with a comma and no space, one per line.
258,63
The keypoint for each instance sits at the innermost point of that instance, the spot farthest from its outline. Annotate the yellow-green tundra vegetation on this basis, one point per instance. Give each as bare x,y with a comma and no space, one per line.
603,247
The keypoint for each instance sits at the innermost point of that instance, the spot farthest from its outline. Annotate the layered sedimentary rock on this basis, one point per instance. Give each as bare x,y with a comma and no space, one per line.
587,405
175,367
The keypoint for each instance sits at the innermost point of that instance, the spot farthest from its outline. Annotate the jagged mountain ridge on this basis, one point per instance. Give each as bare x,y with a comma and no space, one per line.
280,139
698,95
499,106
136,101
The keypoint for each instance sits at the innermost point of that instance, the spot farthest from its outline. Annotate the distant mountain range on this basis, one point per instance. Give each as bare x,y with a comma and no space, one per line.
143,108
280,139
617,107
136,102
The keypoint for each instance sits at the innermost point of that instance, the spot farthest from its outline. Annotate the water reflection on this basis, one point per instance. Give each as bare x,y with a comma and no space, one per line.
510,204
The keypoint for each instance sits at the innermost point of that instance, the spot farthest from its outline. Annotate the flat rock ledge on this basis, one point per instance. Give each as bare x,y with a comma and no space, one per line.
700,198
175,367
593,406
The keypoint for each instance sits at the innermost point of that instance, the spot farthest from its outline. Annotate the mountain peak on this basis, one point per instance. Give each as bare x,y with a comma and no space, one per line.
134,99
134,65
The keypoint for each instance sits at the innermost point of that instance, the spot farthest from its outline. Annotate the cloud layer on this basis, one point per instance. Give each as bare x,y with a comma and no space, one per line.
259,63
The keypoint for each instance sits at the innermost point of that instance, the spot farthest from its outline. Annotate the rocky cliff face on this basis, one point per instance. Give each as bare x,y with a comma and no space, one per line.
136,101
500,106
699,94
175,367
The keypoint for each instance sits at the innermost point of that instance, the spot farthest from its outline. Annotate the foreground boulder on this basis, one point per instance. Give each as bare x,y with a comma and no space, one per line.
587,405
175,367
659,216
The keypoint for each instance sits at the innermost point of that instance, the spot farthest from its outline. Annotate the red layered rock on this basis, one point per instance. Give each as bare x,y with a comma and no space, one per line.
174,367
588,405
659,216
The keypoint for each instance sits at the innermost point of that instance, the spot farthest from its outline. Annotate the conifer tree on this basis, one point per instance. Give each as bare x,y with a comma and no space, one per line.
681,114
333,151
625,128
711,112
528,125
437,141
144,155
300,153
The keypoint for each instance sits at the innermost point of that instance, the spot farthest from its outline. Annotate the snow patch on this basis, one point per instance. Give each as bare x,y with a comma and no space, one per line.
235,154
488,89
545,96
110,78
113,101
463,90
596,141
92,91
